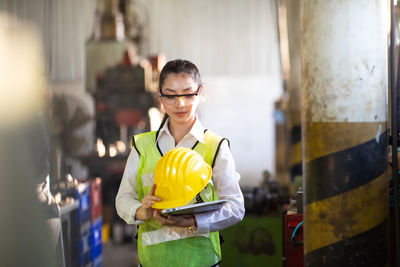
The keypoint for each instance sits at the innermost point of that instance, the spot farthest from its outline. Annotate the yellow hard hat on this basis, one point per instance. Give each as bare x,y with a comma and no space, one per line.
179,176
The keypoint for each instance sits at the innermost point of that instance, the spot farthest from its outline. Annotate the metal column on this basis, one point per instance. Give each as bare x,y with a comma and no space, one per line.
294,86
344,85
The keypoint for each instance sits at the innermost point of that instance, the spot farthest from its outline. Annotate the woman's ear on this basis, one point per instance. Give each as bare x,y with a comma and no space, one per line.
201,89
162,109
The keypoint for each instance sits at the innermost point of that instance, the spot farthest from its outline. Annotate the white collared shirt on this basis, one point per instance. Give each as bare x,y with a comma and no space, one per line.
225,179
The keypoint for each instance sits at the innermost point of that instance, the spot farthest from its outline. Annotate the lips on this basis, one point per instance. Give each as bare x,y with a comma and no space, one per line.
180,114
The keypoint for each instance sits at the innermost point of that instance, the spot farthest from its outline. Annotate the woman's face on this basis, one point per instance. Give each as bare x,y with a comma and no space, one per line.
182,109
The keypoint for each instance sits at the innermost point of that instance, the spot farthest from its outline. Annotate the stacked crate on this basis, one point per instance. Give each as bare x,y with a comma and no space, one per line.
84,226
96,222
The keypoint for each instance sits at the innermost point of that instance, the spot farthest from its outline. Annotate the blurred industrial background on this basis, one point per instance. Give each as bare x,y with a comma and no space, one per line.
305,90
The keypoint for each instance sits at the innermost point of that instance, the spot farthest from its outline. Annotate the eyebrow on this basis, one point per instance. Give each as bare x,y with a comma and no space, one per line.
173,91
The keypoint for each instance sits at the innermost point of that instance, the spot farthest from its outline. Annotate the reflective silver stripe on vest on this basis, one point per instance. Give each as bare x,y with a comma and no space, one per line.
147,179
169,234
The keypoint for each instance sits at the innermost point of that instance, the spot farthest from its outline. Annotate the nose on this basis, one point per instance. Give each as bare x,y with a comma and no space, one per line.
179,101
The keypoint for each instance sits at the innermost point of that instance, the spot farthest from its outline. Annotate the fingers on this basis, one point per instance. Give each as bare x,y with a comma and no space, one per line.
143,213
151,195
147,203
164,221
153,188
168,221
158,217
152,198
157,213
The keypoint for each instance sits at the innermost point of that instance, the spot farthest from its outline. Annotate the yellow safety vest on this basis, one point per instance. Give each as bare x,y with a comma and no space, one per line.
174,246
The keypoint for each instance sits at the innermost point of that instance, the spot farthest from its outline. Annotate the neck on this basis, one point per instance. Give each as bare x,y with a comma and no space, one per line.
179,130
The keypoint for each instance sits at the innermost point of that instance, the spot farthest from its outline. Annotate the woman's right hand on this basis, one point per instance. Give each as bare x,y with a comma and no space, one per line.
145,212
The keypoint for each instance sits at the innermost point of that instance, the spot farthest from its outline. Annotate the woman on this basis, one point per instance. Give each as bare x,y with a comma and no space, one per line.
179,240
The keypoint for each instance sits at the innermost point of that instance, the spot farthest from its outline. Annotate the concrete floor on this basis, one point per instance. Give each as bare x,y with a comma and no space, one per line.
120,255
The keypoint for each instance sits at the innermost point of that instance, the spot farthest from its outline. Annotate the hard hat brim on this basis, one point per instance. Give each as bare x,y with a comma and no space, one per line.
168,204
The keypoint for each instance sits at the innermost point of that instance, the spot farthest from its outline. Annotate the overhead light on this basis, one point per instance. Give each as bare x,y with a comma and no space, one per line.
112,150
101,148
121,147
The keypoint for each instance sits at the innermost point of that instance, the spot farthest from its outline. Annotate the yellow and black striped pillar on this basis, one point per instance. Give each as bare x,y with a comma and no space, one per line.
344,84
294,86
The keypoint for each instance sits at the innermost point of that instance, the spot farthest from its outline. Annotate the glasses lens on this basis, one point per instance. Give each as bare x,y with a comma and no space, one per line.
171,99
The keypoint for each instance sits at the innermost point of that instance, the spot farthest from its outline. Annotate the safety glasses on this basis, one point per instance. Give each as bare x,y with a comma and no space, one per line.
170,99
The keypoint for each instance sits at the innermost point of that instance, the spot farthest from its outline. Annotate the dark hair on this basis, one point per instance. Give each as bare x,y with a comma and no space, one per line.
177,66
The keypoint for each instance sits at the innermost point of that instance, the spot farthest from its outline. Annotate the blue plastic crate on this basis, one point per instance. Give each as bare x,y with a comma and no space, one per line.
96,252
95,231
98,262
83,216
85,260
85,243
96,240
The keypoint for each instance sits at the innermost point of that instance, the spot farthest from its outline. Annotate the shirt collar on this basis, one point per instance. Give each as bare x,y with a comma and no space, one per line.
197,130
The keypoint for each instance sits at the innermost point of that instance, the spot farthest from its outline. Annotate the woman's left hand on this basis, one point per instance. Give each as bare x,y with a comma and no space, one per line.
179,221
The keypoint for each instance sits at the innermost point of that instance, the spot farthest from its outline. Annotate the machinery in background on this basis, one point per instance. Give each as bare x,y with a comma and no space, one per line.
268,199
82,229
288,155
293,232
272,231
118,26
123,98
90,135
72,136
123,86
258,239
122,102
294,253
